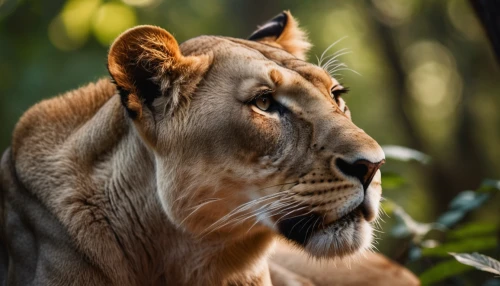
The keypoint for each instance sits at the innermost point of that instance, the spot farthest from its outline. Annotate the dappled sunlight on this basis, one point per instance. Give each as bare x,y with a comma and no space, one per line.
395,12
435,87
70,29
110,20
209,8
464,22
142,3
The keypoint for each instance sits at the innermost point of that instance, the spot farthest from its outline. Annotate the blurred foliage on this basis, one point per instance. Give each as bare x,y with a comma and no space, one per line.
428,81
405,154
429,245
442,270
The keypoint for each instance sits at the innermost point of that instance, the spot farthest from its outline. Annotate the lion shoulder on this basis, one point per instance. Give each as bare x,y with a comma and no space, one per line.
52,120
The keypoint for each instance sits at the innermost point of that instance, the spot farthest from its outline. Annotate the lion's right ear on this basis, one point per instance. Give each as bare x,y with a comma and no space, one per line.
146,64
283,31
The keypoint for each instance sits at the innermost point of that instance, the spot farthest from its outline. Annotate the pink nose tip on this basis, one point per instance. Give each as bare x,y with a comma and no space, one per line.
361,169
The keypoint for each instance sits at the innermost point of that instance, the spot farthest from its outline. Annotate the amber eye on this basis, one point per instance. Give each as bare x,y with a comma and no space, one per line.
263,102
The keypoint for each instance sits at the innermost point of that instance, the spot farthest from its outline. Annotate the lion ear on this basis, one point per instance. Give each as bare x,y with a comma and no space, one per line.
146,64
283,31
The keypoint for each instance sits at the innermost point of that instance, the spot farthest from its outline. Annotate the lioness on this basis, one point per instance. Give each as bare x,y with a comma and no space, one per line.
185,167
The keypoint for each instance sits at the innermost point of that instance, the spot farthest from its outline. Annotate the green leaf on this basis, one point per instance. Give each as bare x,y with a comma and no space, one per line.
473,230
463,203
407,226
405,154
468,200
466,245
392,180
479,261
442,271
450,218
488,185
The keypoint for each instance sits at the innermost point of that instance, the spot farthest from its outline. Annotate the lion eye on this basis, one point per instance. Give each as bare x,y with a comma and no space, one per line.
263,102
337,93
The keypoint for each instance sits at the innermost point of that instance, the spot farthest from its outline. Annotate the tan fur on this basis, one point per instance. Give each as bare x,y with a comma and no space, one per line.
190,184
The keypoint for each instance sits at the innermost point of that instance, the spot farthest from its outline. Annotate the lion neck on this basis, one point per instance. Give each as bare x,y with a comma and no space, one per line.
154,248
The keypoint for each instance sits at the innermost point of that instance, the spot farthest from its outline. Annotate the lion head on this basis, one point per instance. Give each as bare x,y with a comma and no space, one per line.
250,138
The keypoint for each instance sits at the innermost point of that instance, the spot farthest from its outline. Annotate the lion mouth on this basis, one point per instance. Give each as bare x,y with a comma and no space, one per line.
299,228
311,231
344,229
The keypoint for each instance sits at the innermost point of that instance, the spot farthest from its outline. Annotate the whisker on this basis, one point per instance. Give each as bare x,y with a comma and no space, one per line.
337,54
244,207
305,223
328,48
284,216
311,211
384,212
296,224
333,66
264,209
334,59
312,226
197,208
348,69
256,201
273,210
257,220
206,202
228,219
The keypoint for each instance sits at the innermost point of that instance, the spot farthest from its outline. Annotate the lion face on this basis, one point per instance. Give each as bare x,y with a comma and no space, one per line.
249,138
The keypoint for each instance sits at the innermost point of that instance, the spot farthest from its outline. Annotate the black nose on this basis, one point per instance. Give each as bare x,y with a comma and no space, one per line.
363,170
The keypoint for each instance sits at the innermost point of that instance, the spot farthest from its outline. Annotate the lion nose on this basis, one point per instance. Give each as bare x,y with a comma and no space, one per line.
363,170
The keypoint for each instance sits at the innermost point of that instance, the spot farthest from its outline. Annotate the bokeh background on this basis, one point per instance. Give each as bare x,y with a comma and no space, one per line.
428,80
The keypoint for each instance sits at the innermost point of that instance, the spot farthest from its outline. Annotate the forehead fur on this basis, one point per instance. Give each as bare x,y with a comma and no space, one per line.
224,47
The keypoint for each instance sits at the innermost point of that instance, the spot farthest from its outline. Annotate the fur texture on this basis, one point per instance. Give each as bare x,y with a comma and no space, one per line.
185,168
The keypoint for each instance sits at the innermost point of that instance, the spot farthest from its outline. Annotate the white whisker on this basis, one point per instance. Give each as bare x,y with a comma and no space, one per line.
348,69
328,48
199,207
284,216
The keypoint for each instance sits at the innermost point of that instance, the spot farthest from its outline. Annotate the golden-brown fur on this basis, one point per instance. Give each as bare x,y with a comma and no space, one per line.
174,175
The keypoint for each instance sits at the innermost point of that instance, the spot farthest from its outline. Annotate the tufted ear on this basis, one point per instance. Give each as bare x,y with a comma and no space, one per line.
152,76
146,64
283,31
